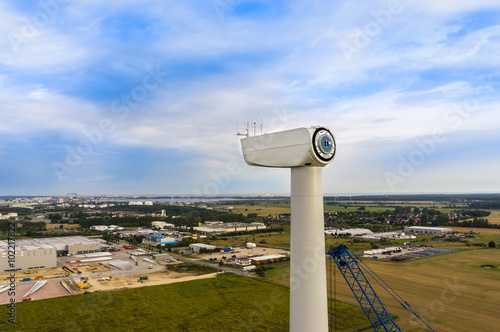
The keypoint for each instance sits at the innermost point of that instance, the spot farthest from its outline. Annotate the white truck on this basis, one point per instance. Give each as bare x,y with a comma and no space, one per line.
249,268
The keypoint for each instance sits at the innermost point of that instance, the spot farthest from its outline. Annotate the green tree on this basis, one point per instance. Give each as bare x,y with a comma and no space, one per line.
491,244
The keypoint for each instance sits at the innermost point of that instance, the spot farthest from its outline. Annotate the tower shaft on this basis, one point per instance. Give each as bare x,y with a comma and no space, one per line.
308,292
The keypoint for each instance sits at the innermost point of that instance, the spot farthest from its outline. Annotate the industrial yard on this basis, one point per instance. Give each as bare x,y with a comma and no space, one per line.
243,253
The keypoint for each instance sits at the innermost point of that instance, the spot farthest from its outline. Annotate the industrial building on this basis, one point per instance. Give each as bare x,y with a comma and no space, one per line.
70,245
155,237
383,251
388,235
158,257
161,224
265,259
8,216
27,256
351,231
42,253
105,228
428,230
167,241
161,239
196,247
222,227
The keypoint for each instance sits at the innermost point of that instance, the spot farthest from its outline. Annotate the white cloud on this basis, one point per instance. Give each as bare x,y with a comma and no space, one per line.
244,67
35,109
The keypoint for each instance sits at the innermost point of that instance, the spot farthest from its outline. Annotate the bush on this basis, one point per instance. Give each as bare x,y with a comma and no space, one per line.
491,244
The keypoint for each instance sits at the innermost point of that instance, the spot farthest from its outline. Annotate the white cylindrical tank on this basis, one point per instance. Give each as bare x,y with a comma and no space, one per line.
308,292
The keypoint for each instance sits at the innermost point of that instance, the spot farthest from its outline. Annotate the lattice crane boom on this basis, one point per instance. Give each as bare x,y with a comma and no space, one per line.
362,290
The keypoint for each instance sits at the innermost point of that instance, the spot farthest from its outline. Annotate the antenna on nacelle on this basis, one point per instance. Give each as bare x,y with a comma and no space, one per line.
247,134
251,121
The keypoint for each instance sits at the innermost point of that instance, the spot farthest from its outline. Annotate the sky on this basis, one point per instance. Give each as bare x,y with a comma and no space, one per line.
145,97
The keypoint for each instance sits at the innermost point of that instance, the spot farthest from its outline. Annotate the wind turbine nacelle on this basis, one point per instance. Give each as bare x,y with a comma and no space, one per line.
314,146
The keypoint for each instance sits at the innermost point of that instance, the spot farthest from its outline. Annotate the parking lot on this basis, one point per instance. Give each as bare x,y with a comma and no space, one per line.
412,253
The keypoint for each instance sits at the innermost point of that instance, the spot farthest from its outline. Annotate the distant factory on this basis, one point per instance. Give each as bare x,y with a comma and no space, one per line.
428,230
222,227
42,253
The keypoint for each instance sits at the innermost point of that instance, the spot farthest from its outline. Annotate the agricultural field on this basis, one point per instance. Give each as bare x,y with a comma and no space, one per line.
225,303
58,226
452,292
484,236
262,209
281,239
274,208
494,217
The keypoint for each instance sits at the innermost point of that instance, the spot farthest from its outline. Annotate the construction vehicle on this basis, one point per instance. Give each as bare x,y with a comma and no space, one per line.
30,272
141,279
352,268
106,277
82,285
150,266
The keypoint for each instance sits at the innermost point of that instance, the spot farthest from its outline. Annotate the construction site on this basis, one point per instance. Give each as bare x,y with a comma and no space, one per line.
83,269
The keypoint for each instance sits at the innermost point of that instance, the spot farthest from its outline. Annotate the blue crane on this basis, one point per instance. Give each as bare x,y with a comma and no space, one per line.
352,268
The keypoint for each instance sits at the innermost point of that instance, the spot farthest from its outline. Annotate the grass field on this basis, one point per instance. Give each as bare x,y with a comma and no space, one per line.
56,226
281,239
452,292
269,208
494,217
225,303
262,209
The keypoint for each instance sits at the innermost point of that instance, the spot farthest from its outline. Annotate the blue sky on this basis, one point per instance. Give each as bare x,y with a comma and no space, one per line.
127,97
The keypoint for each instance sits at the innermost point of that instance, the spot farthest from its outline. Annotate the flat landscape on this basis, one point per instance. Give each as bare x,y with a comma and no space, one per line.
452,292
457,291
225,303
494,218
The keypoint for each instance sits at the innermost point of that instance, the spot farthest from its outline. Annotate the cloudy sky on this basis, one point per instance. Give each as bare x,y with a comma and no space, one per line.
145,97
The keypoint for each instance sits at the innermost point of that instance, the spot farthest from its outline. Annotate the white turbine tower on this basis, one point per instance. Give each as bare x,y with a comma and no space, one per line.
305,151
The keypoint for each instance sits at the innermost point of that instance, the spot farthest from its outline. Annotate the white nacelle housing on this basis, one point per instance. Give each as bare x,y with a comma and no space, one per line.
314,146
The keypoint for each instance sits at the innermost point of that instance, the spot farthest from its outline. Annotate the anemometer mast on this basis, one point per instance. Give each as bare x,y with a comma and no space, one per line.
305,151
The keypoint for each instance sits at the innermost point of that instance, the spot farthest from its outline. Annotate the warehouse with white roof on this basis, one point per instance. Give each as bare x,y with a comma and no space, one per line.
42,253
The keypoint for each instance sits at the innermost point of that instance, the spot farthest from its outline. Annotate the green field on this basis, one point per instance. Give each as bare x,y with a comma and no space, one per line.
270,208
225,303
262,209
452,292
281,239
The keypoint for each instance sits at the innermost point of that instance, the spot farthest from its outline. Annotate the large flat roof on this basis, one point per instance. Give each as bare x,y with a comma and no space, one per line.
22,246
429,228
60,243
